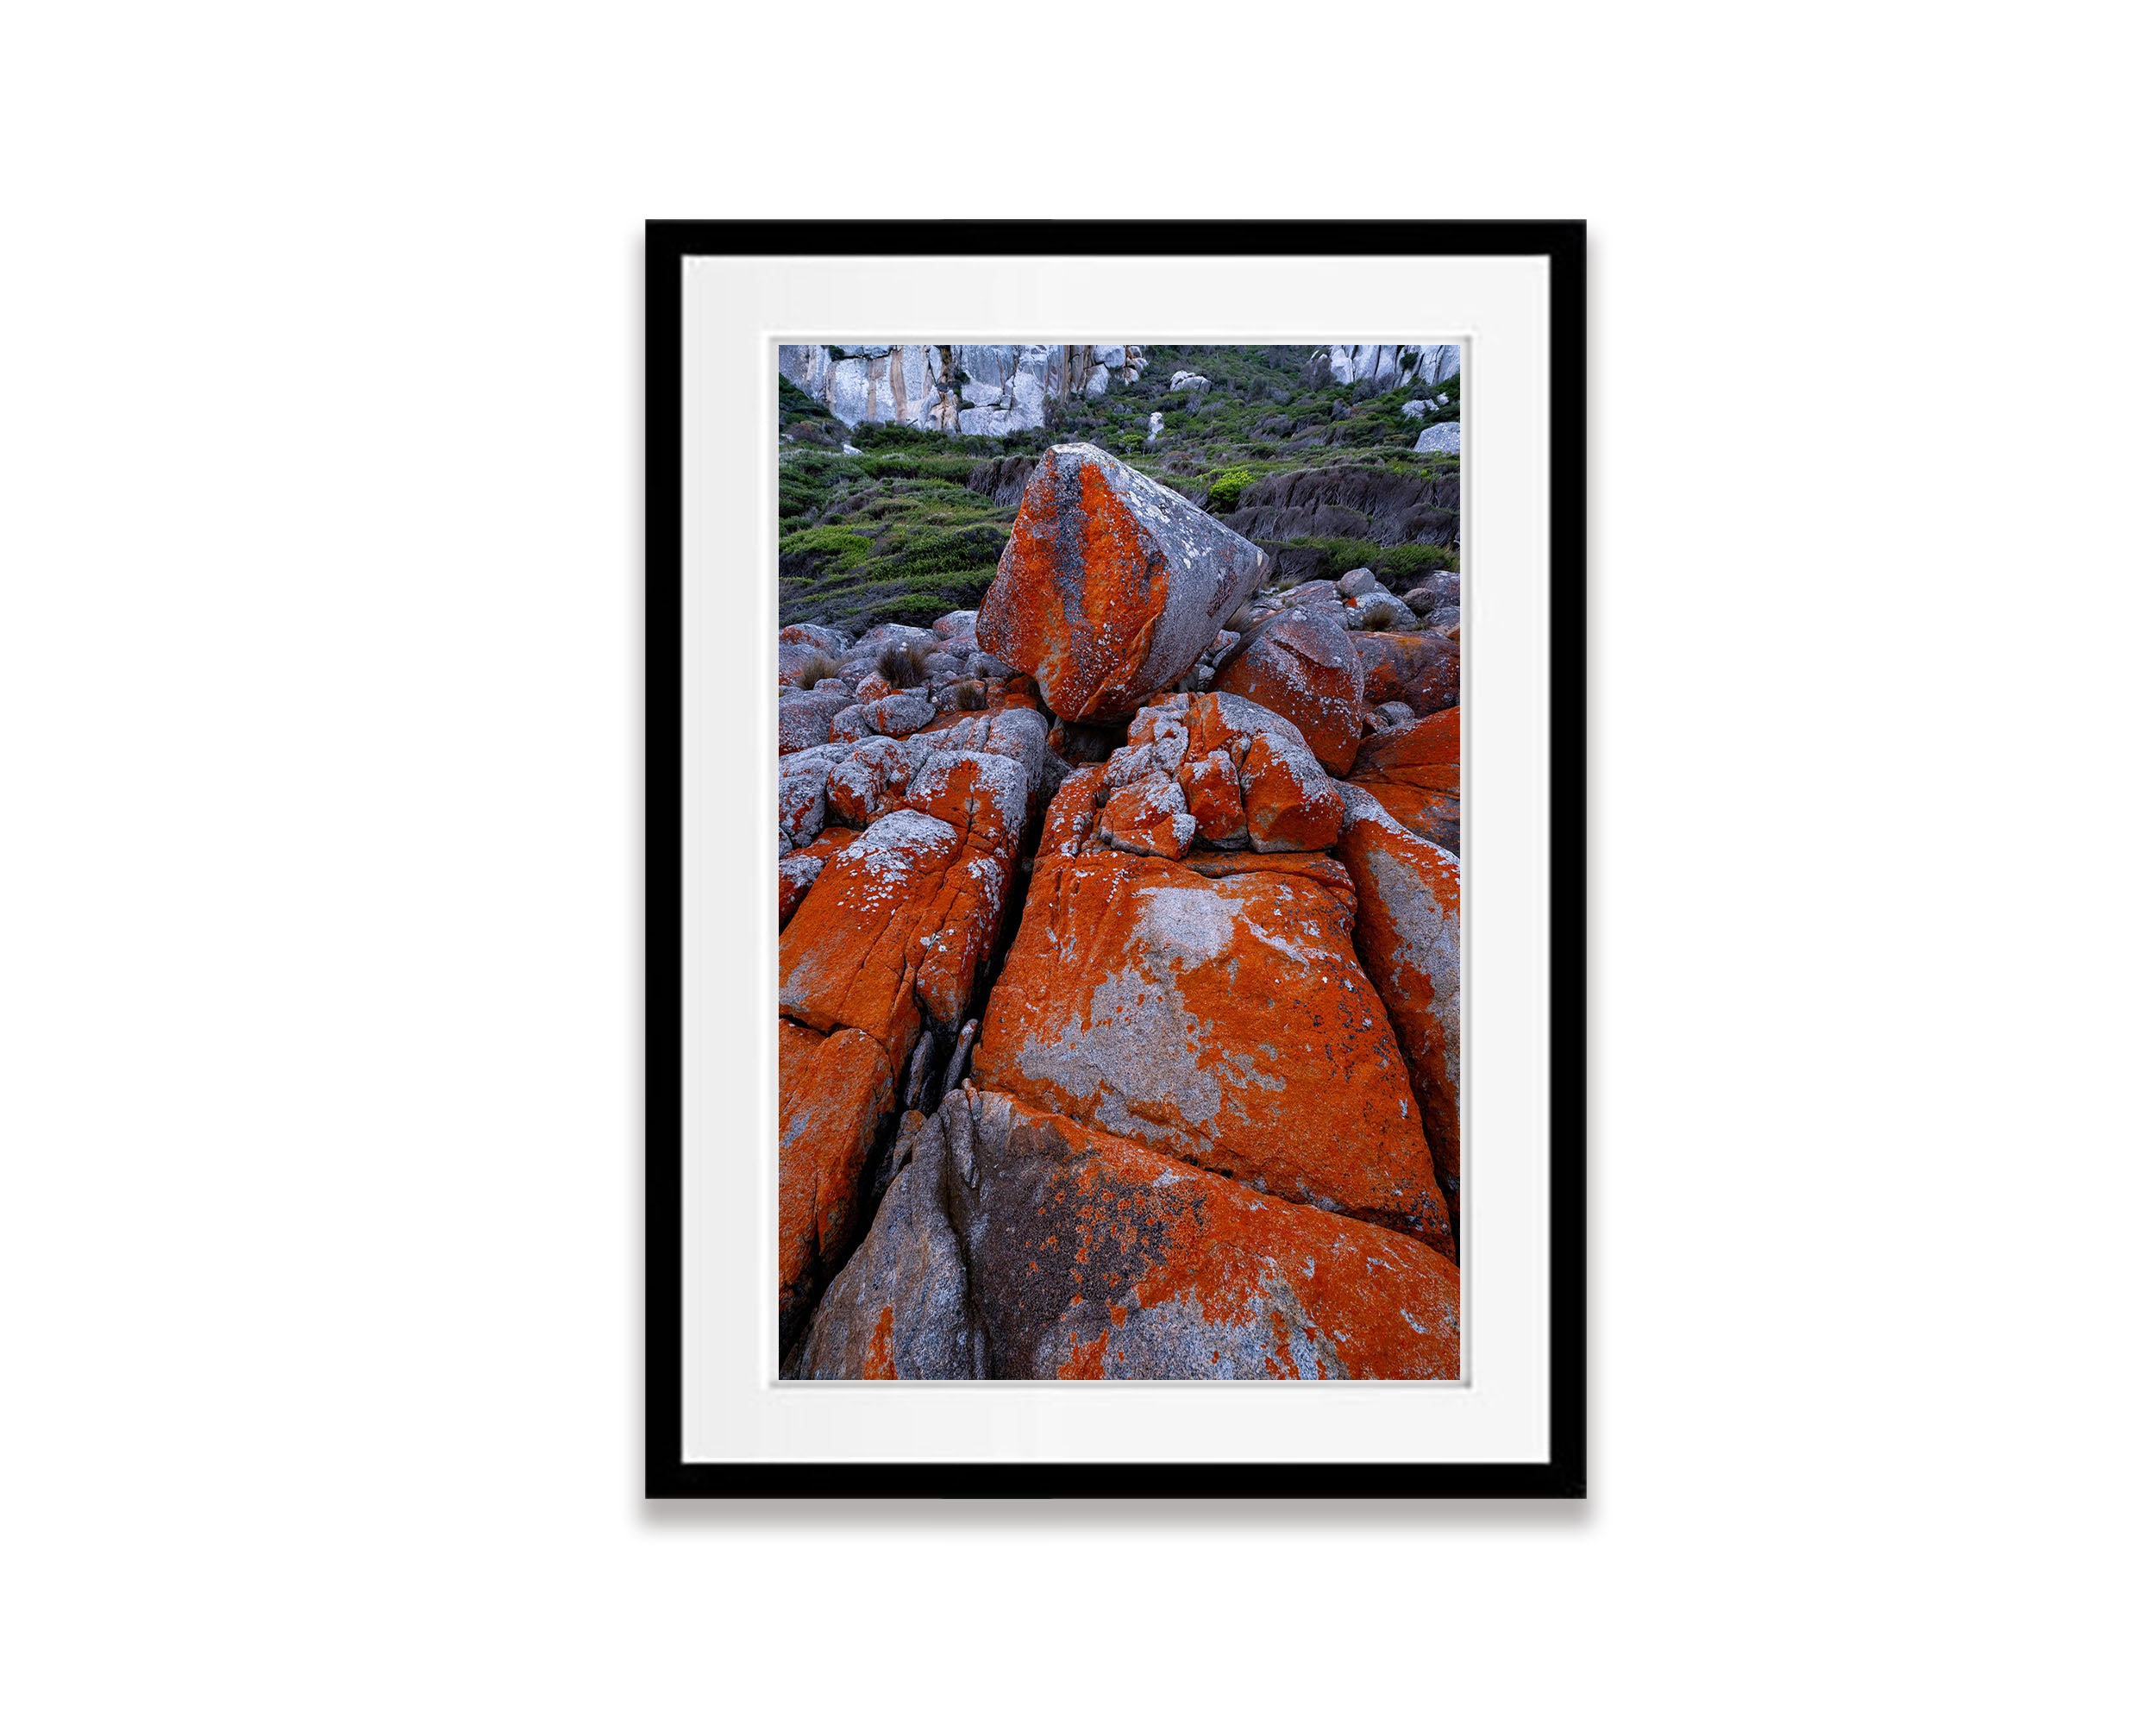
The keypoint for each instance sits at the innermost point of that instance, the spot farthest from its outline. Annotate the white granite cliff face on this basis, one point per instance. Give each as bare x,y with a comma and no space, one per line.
984,390
1386,366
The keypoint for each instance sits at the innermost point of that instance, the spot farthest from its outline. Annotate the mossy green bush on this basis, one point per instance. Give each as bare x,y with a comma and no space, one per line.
1227,490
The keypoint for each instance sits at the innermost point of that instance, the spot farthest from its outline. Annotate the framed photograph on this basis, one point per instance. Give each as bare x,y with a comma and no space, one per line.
1117,874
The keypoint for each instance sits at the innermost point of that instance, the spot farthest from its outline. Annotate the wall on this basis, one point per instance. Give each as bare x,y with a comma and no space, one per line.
319,1239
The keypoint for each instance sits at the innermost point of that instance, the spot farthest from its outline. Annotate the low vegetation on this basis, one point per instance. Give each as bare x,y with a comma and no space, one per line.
899,532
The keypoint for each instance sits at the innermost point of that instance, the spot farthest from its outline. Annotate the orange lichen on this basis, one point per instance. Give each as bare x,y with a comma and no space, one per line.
1273,1288
1393,664
1227,1022
834,1092
1101,567
1303,667
879,1362
1407,935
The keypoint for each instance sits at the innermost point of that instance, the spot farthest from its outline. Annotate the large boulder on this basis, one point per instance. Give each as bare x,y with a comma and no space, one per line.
1220,1018
1303,667
1413,771
1110,586
816,637
1407,935
1086,1255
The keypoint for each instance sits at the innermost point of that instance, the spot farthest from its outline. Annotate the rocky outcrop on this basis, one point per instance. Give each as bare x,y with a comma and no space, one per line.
1382,368
883,946
977,390
1439,440
1126,1045
1021,1244
1111,586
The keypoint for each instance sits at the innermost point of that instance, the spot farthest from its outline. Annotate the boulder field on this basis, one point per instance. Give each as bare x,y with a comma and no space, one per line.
1119,966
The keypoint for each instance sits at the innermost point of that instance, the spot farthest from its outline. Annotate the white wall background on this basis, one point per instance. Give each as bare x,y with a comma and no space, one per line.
319,686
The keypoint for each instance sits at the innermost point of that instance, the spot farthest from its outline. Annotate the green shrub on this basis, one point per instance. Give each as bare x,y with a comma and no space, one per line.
1228,489
1400,565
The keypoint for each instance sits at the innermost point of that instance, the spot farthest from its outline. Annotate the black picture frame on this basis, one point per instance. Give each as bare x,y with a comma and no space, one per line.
666,1473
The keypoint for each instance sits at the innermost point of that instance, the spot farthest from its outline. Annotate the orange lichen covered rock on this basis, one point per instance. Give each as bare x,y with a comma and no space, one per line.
1408,934
1067,826
982,796
897,924
834,1092
846,960
798,871
1214,797
1147,818
868,782
1303,665
1422,670
1314,866
1225,1022
1111,585
1254,782
1414,772
1094,1257
1288,802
